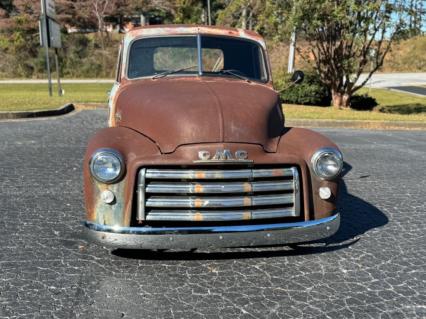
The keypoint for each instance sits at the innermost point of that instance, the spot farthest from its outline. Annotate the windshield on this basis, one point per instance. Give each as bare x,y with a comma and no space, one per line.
178,55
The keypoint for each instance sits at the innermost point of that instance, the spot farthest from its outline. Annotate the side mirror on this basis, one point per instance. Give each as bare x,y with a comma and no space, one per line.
297,77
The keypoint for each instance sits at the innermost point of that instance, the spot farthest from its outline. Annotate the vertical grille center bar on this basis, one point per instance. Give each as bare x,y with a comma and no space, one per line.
217,194
141,195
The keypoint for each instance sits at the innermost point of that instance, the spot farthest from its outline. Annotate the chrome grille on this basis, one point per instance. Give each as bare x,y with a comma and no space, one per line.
217,195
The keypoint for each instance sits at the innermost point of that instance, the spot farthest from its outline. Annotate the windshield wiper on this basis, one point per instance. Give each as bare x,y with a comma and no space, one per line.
232,72
166,73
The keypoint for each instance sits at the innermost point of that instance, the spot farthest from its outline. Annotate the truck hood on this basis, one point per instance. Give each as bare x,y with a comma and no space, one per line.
178,111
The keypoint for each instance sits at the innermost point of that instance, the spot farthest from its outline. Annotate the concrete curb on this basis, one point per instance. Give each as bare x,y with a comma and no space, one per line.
90,106
372,125
67,108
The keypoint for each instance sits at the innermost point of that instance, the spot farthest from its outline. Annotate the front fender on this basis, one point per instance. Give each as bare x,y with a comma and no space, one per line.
131,145
303,143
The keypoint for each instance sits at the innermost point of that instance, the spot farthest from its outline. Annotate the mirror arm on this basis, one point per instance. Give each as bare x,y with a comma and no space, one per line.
287,87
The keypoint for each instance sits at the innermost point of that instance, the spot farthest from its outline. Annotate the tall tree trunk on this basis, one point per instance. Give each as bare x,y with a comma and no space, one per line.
340,99
101,36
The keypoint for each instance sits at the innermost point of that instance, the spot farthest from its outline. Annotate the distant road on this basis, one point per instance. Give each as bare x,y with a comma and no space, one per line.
388,80
417,90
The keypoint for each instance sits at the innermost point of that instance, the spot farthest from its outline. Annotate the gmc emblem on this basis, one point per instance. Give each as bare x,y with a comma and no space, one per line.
223,156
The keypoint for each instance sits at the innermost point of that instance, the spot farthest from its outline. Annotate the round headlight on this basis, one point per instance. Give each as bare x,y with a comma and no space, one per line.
327,163
107,165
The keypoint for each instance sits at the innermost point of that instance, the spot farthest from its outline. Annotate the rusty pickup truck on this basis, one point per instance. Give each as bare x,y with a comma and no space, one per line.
196,153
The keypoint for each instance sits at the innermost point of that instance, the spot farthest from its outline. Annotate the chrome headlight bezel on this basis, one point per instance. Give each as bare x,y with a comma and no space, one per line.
320,154
116,156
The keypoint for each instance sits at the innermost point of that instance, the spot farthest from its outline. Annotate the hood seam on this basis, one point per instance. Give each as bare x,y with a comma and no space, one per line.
144,135
220,113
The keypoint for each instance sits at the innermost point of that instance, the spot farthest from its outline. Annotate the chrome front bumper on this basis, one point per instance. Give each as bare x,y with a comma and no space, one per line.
211,237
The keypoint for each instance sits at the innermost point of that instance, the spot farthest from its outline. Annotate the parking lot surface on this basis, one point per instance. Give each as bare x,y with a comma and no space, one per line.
374,267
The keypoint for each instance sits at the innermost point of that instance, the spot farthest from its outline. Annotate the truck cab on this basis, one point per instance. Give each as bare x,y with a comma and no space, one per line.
197,154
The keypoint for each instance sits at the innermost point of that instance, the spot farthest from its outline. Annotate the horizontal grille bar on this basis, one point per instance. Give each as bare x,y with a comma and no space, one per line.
224,188
192,215
212,194
217,174
237,201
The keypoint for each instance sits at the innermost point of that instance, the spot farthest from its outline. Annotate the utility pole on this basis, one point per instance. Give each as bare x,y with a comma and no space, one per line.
291,54
292,51
50,37
143,19
58,73
209,15
244,18
44,29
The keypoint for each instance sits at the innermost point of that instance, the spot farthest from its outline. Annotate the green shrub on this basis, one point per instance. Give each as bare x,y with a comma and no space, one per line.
310,92
413,108
363,102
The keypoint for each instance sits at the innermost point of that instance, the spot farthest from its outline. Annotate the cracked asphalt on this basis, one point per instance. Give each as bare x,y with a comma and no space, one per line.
374,267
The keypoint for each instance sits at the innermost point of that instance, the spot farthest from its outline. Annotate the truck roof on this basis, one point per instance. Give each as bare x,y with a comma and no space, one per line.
185,29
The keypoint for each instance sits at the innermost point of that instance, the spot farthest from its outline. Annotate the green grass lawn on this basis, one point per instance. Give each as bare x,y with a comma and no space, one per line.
383,97
28,97
20,97
387,97
329,113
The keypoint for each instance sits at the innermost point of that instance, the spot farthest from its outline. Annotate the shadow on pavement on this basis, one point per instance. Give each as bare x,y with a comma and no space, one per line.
357,217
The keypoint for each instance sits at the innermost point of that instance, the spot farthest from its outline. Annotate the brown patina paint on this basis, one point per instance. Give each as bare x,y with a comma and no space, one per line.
295,148
167,121
201,110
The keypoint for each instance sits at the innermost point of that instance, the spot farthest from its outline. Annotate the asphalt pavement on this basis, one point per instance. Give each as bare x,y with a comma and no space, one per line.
374,267
418,90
